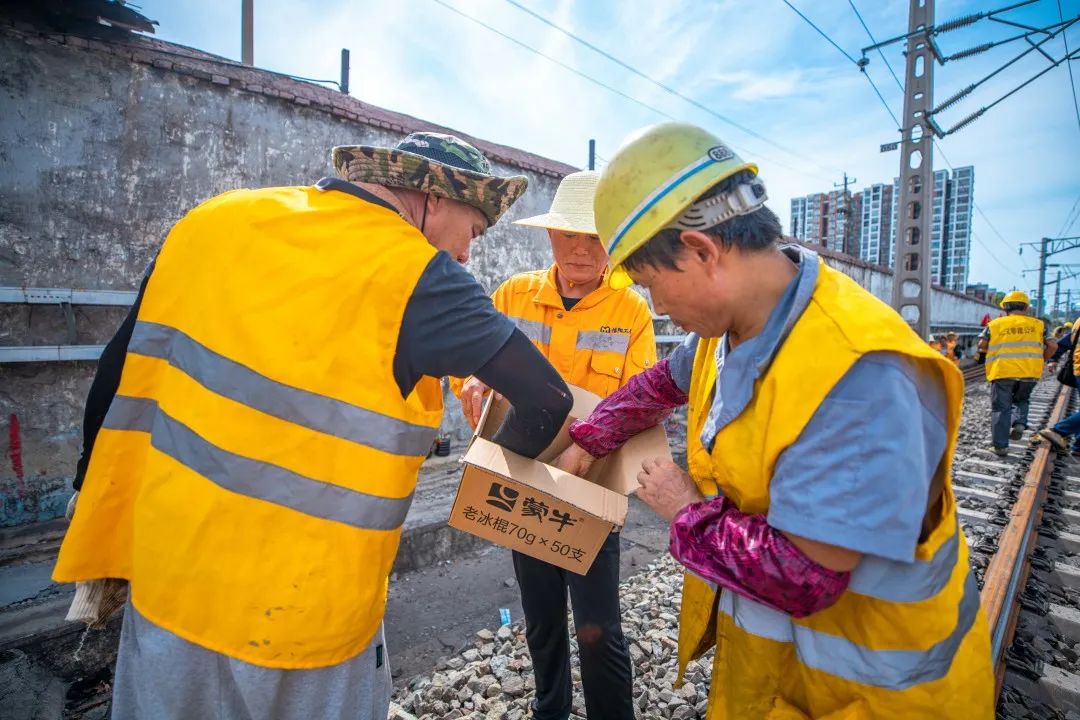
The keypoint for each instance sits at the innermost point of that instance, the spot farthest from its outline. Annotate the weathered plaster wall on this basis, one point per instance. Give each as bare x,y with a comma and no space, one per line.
99,156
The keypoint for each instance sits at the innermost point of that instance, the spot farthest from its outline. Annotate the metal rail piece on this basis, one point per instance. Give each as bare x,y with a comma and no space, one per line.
1007,572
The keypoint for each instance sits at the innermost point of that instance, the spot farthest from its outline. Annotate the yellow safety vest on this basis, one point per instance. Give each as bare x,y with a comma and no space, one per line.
598,345
254,470
906,640
1015,348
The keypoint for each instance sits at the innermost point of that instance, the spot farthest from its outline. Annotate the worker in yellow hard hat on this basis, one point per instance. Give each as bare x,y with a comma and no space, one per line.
1016,346
597,337
831,577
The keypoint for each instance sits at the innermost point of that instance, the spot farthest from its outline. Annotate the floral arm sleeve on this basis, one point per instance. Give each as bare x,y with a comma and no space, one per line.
744,554
646,400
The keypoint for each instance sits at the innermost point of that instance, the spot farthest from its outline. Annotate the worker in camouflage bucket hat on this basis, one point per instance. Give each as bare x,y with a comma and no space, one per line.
255,431
442,165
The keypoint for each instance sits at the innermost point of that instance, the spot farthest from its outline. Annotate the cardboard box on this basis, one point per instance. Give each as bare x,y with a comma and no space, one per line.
539,510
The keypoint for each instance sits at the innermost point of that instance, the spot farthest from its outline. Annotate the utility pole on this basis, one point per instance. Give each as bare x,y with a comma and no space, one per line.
344,84
592,154
844,210
247,32
1057,293
911,278
1047,248
1042,277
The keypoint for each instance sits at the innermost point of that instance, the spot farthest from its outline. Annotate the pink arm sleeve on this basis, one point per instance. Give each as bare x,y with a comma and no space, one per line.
745,555
646,400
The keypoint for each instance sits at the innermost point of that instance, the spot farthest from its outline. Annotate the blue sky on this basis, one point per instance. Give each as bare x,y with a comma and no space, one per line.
753,61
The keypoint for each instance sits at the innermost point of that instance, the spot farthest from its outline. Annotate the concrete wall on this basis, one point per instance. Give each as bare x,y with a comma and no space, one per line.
99,156
948,309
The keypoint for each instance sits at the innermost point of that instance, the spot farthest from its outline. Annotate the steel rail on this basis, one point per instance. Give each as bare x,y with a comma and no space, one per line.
1007,573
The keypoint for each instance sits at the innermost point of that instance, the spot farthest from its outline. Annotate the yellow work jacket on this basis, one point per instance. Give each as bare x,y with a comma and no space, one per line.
254,469
906,640
598,345
1015,348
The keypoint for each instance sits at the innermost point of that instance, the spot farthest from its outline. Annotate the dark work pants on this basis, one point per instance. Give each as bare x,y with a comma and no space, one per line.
605,662
1009,401
1070,426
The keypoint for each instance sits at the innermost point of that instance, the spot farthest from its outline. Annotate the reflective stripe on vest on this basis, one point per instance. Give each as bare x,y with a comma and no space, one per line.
535,331
598,345
901,582
254,478
890,669
232,380
603,342
1015,348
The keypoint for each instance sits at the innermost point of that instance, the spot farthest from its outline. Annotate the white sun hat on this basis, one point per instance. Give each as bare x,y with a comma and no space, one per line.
572,208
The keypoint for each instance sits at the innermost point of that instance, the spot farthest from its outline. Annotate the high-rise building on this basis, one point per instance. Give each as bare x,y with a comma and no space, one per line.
876,223
818,219
828,219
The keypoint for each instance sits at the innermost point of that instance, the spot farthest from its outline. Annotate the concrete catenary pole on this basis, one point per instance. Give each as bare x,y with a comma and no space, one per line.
1057,293
1042,278
344,84
247,32
911,279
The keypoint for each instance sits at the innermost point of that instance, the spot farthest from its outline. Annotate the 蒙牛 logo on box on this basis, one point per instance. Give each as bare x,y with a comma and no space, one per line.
502,497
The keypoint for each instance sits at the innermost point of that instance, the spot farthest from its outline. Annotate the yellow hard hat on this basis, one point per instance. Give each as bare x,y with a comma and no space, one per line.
657,173
1015,296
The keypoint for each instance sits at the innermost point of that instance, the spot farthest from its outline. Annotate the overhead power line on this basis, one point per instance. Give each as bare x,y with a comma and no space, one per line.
879,50
937,147
822,33
599,83
560,63
1072,82
665,87
860,65
1070,219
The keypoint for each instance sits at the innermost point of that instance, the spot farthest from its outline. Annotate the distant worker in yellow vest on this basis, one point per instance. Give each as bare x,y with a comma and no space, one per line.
823,556
1016,346
934,342
259,422
597,337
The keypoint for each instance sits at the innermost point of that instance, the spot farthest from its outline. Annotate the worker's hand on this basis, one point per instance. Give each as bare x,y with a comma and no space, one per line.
574,460
472,400
666,488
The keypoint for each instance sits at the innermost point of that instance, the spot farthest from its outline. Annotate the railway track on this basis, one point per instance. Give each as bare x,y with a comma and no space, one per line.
1021,516
974,374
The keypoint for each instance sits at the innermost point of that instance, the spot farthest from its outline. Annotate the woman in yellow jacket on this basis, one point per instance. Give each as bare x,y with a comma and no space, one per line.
597,338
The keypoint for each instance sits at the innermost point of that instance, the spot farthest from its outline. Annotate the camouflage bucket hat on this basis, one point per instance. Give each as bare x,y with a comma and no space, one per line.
433,163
